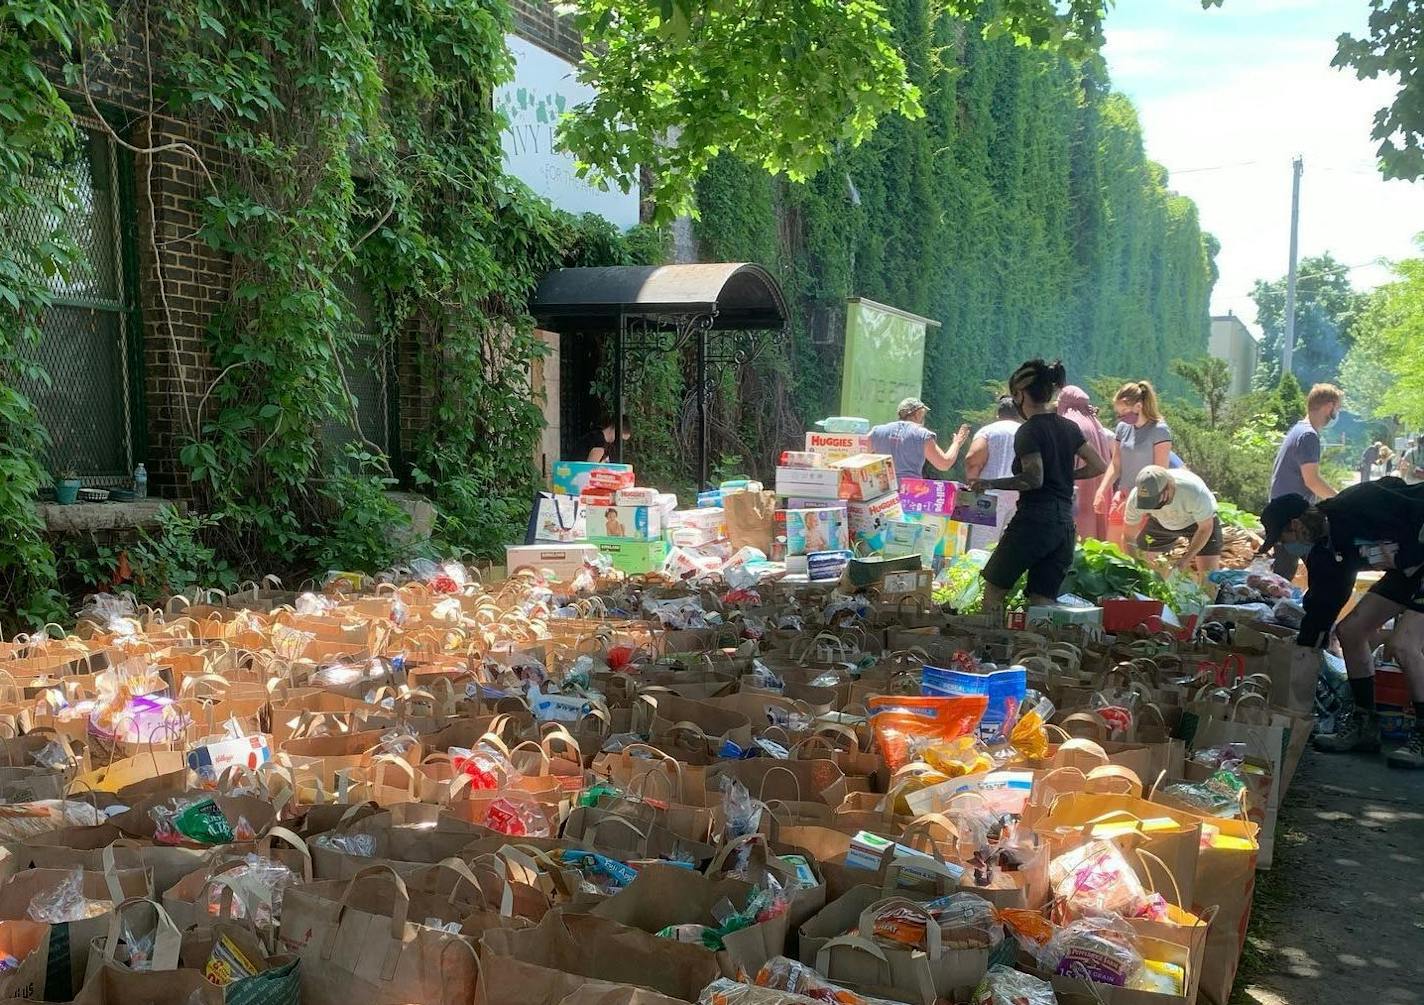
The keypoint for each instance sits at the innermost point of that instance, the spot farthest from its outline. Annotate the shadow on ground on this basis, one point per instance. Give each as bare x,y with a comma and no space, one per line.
1340,917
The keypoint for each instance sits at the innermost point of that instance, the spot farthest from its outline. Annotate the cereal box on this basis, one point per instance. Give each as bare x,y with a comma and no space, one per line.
867,476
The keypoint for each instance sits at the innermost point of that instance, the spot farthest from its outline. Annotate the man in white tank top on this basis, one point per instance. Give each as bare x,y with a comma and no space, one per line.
991,455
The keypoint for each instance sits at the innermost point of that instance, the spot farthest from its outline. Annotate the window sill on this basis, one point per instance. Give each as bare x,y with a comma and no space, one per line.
81,518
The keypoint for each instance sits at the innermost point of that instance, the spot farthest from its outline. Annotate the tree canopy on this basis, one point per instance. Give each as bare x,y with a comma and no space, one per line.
1385,367
1393,47
1326,307
778,85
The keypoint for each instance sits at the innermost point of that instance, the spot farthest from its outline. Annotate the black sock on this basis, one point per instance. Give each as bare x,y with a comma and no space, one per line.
1419,717
1363,690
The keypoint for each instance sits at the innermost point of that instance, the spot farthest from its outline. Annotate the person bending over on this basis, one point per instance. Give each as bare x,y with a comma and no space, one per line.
1040,539
1378,525
1176,504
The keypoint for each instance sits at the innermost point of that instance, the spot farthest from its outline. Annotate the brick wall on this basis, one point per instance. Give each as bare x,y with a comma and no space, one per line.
536,21
183,282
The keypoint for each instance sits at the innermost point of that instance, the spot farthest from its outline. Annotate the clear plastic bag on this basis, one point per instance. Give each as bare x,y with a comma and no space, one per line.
1094,878
741,812
516,817
52,755
1220,795
1006,986
361,845
1102,950
786,975
257,888
66,902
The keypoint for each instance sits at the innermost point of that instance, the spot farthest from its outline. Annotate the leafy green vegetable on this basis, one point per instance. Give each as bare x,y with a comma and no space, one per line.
1234,516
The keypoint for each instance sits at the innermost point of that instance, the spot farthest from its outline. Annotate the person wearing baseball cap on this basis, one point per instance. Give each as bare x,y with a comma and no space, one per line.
1172,504
1374,525
911,444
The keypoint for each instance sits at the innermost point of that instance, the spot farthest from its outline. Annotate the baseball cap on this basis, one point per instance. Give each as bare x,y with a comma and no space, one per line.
910,406
1277,515
1151,486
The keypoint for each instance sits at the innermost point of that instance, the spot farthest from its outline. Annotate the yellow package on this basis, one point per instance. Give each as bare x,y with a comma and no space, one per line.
226,963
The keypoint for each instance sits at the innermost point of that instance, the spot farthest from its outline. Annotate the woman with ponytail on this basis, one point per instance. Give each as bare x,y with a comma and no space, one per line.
1142,438
1048,449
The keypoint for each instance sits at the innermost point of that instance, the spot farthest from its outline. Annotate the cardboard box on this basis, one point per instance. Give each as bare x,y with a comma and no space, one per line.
867,476
951,538
801,459
813,483
570,478
635,557
619,523
800,502
905,537
921,495
809,530
562,562
866,517
981,508
832,447
215,758
712,519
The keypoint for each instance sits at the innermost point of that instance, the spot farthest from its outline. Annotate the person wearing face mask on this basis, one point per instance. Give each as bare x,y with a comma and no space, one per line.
1378,525
1297,469
1040,539
1142,438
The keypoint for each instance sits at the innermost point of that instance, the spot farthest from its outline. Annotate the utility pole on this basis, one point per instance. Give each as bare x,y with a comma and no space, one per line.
1288,350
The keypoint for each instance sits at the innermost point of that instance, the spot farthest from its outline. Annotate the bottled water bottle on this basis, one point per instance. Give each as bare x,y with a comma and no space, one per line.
140,482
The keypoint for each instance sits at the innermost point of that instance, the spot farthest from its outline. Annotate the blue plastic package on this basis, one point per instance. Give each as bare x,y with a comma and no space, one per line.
1004,688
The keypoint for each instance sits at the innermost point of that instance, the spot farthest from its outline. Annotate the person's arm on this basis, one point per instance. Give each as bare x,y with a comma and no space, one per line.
1092,463
945,460
1310,474
1030,477
1105,490
1198,542
1131,515
1331,584
977,458
1162,453
597,454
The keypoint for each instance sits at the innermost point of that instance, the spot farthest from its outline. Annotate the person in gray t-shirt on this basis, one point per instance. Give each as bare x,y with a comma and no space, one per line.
911,444
1141,438
1297,469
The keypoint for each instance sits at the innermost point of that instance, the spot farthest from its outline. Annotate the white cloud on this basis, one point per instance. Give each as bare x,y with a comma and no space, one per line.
1287,101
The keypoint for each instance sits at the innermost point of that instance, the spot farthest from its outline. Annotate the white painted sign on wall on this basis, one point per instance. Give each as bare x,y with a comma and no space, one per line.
544,87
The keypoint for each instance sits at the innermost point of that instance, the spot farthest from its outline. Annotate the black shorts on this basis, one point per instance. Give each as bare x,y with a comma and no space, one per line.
1396,587
1155,537
1039,540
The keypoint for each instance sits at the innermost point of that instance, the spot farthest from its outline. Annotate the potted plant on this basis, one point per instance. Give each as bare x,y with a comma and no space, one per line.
66,487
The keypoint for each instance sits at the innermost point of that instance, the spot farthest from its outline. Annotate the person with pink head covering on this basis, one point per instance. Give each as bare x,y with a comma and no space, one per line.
1074,404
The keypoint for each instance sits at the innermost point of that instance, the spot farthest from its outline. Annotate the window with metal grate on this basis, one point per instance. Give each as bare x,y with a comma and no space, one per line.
88,396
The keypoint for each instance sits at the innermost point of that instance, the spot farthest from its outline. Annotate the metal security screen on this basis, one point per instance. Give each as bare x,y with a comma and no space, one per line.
85,397
366,370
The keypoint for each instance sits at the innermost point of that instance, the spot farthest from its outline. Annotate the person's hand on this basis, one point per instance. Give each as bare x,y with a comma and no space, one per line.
961,434
1100,503
978,485
1183,564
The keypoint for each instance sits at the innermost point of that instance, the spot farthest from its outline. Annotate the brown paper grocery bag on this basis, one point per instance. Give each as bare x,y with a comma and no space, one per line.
549,962
1295,671
750,519
28,942
115,985
664,895
359,942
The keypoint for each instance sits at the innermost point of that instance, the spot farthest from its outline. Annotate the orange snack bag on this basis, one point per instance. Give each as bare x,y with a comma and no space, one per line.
904,724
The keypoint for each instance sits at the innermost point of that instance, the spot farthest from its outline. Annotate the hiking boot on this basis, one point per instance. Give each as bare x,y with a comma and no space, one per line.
1355,732
1411,755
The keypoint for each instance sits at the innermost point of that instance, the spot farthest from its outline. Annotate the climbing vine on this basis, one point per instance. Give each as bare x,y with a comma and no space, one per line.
36,131
1021,212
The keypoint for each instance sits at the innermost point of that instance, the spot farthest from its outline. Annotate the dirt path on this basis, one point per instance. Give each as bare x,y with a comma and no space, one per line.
1339,919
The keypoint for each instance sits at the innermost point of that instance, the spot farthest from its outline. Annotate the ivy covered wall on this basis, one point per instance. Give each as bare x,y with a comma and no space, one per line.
1022,213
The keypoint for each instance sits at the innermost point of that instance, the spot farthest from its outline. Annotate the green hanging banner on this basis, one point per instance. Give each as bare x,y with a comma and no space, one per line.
884,359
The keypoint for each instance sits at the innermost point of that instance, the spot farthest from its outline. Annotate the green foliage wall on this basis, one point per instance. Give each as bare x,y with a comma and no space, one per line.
1021,213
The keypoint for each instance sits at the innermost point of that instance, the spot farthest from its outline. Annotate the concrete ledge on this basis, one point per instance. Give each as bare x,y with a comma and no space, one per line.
81,518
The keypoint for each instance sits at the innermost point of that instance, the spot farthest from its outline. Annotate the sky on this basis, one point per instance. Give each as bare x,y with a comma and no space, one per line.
1228,97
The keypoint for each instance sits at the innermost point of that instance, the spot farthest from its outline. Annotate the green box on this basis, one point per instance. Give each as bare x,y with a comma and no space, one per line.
633,557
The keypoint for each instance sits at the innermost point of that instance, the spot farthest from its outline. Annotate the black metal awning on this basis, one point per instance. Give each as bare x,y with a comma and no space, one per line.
731,309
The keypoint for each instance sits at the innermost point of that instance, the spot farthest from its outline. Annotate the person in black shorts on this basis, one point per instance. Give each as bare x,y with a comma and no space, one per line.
1177,505
1040,538
1376,525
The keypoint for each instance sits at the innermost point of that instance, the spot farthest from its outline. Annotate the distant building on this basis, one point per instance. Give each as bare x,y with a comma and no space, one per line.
1232,341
